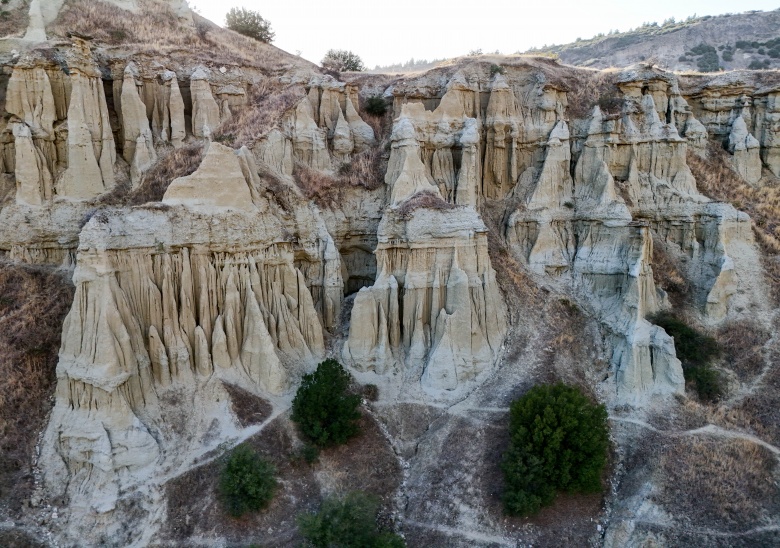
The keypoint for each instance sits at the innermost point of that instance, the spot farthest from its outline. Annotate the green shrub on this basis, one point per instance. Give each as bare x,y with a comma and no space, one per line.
341,60
348,522
496,69
247,482
325,412
375,105
558,442
696,351
249,23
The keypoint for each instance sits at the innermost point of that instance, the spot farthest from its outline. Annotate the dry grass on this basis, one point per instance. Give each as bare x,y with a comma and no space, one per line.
177,163
365,170
425,200
33,303
156,29
588,89
742,345
266,104
367,463
666,271
14,22
248,408
716,179
719,483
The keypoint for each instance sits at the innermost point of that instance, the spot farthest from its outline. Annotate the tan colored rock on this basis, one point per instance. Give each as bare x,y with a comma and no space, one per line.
218,182
176,112
91,153
29,96
33,180
138,149
362,133
205,110
406,174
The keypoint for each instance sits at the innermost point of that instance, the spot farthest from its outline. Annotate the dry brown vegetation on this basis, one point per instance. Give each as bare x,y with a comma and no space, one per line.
33,303
367,463
742,345
178,162
266,104
13,22
155,28
588,89
248,408
422,200
719,483
666,271
365,170
716,179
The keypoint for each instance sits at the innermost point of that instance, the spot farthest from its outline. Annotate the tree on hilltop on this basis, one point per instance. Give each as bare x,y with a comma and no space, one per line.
342,60
249,23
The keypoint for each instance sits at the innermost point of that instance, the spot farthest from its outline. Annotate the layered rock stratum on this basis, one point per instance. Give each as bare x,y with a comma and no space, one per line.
230,217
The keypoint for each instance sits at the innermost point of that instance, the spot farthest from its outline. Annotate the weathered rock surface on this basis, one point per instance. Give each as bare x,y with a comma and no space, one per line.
238,273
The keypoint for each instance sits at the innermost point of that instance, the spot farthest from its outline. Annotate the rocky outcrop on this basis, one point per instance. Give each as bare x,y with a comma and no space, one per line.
435,313
205,110
745,150
138,149
90,146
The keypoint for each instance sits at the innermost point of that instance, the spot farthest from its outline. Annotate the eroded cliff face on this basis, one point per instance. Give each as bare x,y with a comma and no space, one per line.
243,271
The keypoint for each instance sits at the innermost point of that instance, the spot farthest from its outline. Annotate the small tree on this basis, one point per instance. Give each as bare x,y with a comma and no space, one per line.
249,23
247,482
348,522
325,412
342,60
558,441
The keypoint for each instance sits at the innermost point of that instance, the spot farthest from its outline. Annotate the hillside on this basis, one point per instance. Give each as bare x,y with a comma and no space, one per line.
192,221
704,44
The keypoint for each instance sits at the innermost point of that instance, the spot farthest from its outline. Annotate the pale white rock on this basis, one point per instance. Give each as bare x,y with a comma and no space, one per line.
745,150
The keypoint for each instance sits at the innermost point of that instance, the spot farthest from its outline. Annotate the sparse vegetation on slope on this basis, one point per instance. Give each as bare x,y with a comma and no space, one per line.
348,522
558,442
716,179
33,304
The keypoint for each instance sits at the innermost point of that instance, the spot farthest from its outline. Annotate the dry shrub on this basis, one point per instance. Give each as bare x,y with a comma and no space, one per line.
719,483
590,89
365,170
266,104
742,343
33,303
716,179
14,22
666,271
248,408
177,163
425,199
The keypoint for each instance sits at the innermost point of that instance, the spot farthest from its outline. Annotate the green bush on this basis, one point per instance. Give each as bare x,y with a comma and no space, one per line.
375,105
247,482
558,442
696,351
348,522
341,60
325,412
249,23
496,69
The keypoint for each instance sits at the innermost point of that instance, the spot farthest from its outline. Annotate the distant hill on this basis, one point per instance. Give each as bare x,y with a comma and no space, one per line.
705,44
